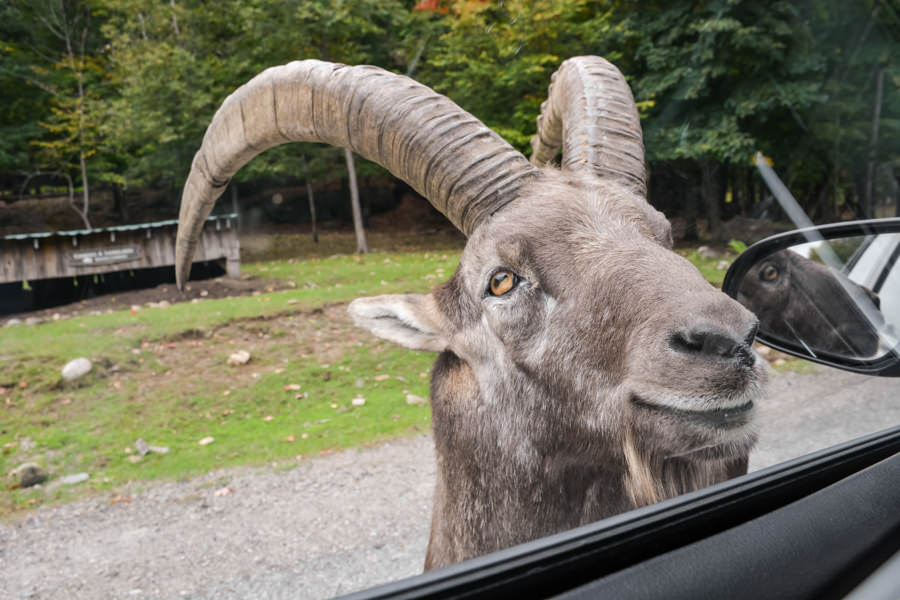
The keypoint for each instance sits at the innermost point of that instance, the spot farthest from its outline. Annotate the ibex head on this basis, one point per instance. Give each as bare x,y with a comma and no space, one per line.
572,337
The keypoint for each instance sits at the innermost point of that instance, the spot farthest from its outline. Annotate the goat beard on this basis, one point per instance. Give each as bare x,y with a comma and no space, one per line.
652,476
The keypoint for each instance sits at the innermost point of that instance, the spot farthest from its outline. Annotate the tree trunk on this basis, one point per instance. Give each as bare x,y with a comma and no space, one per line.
121,206
312,211
361,245
83,212
175,27
873,144
712,191
749,194
897,206
143,26
824,208
235,208
688,193
415,61
311,198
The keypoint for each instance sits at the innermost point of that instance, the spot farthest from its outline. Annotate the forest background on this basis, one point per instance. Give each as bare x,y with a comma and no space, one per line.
111,97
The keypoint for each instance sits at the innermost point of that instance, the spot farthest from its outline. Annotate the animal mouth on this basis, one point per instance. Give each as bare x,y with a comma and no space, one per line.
721,418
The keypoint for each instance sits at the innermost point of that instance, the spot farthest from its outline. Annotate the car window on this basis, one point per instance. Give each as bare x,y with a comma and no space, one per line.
254,433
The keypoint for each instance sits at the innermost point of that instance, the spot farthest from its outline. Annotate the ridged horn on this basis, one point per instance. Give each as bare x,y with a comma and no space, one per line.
466,171
590,112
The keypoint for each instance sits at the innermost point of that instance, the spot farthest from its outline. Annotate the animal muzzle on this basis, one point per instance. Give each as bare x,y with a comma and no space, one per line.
701,357
708,342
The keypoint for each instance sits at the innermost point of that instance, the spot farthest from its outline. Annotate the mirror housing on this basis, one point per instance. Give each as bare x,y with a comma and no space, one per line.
829,294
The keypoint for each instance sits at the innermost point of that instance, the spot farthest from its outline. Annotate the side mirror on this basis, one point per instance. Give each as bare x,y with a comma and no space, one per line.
830,294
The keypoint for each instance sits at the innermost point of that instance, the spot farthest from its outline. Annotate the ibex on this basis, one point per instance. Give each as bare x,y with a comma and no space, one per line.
585,368
804,302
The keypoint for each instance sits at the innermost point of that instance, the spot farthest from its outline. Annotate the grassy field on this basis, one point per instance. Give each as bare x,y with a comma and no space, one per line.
161,375
314,383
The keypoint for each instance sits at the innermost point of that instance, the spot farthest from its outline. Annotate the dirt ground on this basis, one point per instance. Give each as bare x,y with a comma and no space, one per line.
331,525
220,287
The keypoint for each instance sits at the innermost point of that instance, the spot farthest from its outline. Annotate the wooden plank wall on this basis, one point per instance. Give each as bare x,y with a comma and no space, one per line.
106,252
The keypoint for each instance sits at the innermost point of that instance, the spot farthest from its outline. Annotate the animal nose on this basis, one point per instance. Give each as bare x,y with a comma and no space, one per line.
711,342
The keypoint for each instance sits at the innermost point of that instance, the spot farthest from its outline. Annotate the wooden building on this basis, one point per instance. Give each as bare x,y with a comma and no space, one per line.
33,256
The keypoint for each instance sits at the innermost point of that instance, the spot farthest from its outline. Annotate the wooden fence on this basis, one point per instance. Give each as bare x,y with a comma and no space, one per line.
32,256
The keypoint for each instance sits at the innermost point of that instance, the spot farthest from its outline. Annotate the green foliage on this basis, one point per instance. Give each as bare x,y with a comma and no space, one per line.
171,82
495,58
715,81
53,62
712,72
737,245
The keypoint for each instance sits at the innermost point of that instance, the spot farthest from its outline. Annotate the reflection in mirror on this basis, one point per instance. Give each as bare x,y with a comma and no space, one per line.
838,297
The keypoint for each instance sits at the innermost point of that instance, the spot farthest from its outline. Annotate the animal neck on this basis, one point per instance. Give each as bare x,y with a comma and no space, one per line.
502,481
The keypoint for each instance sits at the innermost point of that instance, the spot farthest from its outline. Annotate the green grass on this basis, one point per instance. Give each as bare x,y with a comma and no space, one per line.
709,267
342,278
161,375
90,426
796,365
318,282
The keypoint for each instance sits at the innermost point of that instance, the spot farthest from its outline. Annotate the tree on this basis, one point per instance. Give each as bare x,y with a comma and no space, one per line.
24,99
857,124
712,77
172,79
495,58
55,52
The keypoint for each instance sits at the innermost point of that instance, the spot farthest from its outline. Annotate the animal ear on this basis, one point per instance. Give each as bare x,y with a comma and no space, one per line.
411,320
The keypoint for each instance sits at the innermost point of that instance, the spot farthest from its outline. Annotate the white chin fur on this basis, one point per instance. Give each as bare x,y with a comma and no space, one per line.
702,403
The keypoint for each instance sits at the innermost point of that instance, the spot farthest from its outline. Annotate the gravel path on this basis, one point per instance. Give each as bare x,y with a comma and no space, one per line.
334,524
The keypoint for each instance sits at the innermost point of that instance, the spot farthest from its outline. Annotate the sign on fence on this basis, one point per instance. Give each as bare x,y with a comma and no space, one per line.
104,256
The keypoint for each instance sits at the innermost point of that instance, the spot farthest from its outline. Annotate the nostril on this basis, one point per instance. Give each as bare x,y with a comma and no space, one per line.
705,342
681,341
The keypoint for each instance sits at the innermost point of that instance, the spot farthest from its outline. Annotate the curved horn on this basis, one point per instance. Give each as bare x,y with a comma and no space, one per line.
467,171
590,112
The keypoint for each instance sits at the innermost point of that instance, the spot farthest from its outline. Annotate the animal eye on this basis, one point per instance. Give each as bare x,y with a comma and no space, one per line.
769,273
502,282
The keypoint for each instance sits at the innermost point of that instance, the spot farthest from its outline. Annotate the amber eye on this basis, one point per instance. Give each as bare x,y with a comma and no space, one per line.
502,282
769,273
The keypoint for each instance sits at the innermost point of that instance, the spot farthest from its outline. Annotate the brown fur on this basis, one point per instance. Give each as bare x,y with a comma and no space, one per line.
612,375
539,400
